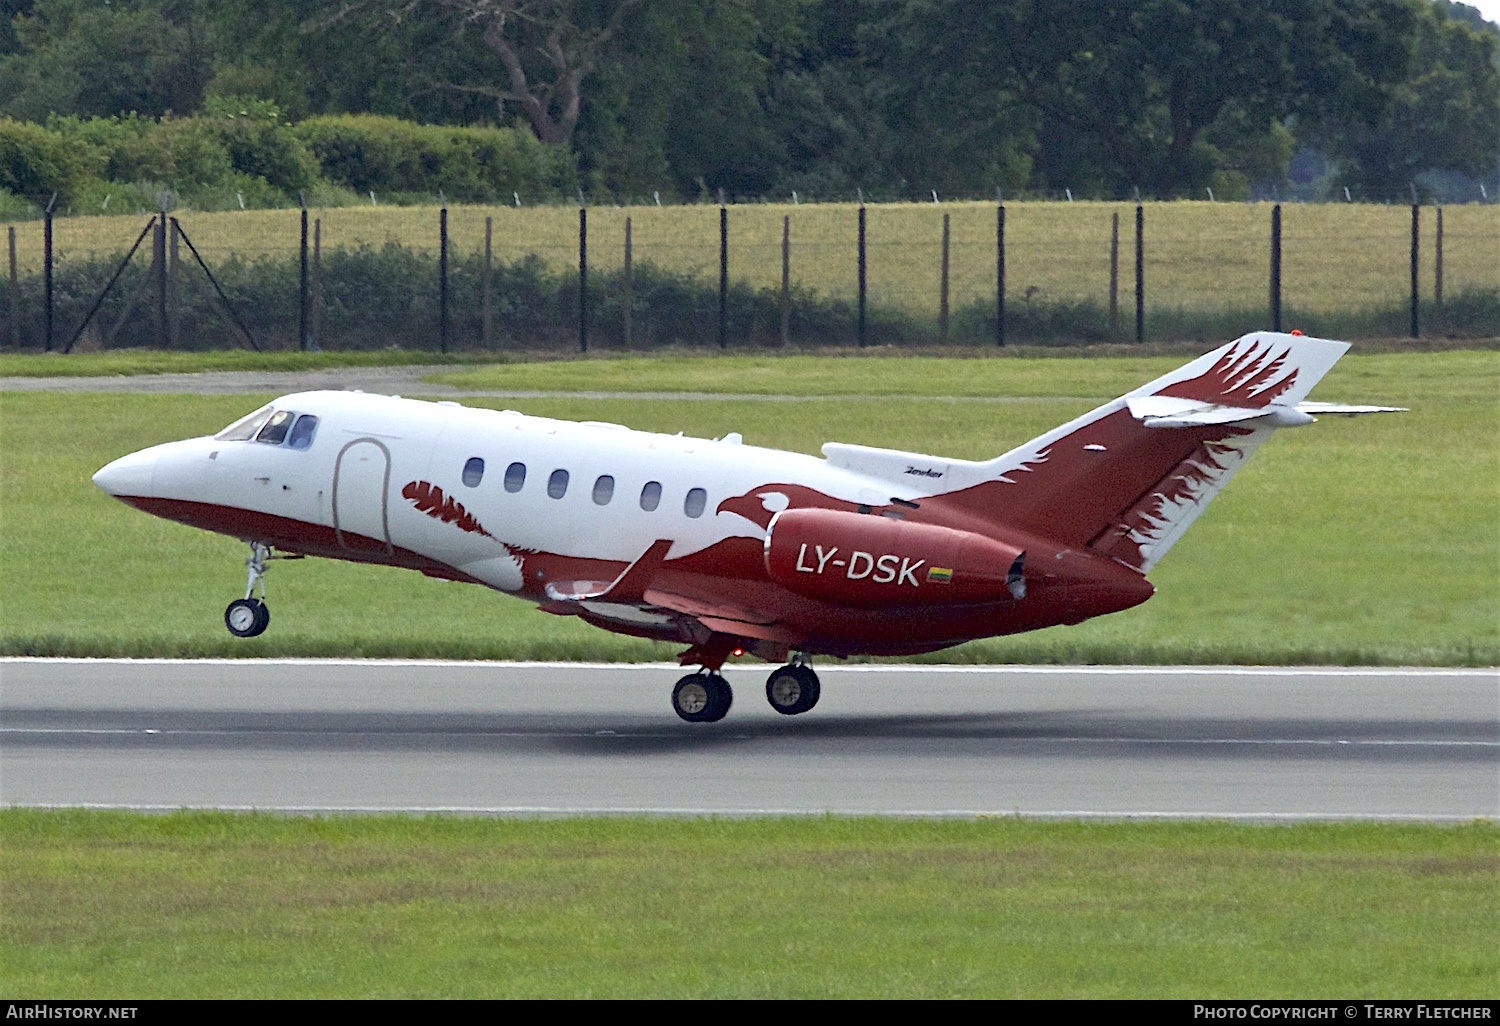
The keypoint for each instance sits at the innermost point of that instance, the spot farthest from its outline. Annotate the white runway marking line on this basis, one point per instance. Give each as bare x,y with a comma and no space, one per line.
874,668
627,735
706,813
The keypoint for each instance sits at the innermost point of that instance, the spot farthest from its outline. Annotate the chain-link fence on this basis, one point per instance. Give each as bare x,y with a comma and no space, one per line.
755,275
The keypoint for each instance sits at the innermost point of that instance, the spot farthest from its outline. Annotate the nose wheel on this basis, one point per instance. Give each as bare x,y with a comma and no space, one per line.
246,618
793,689
702,697
249,616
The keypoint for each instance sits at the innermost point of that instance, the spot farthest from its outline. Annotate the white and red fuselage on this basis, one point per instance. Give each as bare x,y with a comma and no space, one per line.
724,546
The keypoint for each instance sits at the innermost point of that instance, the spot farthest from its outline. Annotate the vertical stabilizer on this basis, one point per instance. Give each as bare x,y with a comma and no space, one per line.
1128,478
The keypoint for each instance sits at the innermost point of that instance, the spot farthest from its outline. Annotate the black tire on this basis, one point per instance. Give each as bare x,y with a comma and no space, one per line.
247,618
792,690
723,696
702,697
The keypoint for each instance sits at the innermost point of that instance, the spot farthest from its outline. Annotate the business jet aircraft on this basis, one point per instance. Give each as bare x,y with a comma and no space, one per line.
730,548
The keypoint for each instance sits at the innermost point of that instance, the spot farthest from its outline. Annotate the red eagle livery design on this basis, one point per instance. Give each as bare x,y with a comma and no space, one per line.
429,499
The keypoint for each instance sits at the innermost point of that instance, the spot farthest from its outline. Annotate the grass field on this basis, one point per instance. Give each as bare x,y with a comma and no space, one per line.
209,905
1374,540
157,361
1198,256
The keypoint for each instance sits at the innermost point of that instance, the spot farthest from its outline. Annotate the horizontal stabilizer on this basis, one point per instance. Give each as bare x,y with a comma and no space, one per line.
1165,411
1346,410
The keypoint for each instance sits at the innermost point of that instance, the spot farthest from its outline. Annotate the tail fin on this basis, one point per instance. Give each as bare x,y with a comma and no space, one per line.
1127,479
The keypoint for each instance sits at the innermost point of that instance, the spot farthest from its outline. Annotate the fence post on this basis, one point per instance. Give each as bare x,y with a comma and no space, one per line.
1415,228
628,300
443,277
159,265
1000,275
47,274
302,284
861,274
723,272
1437,281
583,278
174,288
1114,273
1140,273
484,284
1276,267
786,275
15,292
315,318
943,289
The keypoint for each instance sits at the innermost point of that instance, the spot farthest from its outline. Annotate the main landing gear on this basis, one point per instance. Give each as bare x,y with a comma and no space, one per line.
249,616
793,688
705,696
702,697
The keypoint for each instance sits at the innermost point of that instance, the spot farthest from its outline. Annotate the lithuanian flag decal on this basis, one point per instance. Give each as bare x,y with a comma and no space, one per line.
939,575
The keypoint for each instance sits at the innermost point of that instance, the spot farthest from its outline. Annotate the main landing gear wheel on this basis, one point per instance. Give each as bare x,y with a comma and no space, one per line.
246,618
793,689
702,697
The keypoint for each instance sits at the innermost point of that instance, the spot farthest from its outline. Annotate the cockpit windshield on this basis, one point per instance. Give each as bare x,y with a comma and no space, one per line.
274,433
245,428
271,426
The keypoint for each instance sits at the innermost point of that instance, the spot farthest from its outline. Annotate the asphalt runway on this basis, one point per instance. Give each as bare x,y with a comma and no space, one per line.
514,738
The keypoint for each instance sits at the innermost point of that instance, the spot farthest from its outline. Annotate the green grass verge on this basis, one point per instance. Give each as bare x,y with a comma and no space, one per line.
802,375
157,361
217,905
1371,540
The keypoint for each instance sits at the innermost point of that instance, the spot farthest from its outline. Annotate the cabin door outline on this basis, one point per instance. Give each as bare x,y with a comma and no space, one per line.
358,489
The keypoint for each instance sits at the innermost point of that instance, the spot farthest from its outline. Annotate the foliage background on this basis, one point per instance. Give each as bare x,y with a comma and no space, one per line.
219,102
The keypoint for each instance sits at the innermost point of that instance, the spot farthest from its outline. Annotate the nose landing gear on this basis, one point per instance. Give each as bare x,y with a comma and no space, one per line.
793,688
249,616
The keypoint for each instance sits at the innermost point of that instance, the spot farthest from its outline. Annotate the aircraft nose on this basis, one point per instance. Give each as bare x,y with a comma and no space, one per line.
129,475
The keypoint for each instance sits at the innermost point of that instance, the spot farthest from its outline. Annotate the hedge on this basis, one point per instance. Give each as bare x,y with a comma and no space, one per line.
387,155
222,159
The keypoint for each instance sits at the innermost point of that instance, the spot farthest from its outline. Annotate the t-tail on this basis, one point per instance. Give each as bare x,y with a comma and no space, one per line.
1127,479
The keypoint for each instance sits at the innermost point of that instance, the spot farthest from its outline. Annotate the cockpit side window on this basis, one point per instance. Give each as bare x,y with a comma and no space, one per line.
245,428
301,436
274,433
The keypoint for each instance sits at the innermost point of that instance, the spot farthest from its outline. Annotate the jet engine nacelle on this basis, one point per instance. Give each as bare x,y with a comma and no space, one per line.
874,561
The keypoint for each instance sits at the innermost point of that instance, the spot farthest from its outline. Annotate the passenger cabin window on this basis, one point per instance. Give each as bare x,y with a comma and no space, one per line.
301,436
274,433
515,477
557,484
473,471
693,505
651,496
244,429
604,490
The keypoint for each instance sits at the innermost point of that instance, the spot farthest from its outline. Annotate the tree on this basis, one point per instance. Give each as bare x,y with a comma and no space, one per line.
1438,109
90,58
547,48
1160,89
